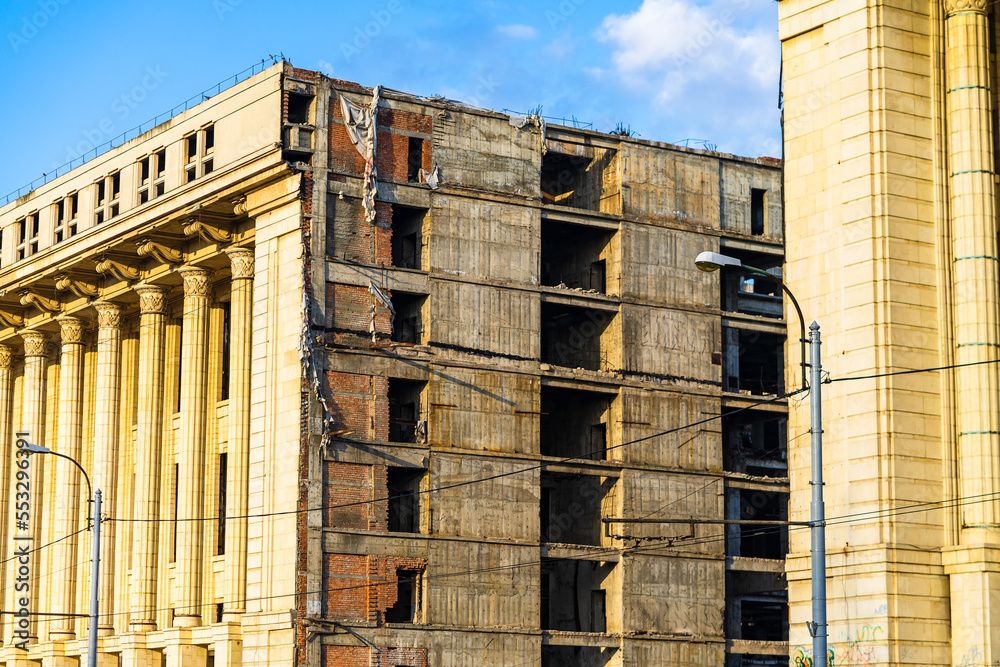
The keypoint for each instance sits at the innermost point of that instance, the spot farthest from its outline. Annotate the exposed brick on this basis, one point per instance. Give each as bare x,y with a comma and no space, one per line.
360,403
361,656
349,315
362,588
357,486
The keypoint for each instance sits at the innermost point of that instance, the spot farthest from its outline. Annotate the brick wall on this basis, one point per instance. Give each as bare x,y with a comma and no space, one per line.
363,587
349,315
349,236
357,486
360,403
360,656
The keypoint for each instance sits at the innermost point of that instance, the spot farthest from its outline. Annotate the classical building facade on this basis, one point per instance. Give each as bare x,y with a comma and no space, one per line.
890,121
373,379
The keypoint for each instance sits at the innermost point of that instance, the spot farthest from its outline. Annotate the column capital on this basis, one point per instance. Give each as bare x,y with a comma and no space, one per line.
242,261
6,356
109,314
71,329
152,299
956,6
34,343
195,280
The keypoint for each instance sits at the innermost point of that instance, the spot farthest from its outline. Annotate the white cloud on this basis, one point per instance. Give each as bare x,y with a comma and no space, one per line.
712,67
325,67
517,31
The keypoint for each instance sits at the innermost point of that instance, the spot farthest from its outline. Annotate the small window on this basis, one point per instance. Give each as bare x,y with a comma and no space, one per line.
100,192
116,185
226,328
209,138
161,163
758,218
199,148
27,236
407,602
191,144
107,197
221,516
414,160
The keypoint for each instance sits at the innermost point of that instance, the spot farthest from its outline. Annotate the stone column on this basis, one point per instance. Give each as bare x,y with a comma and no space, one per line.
6,459
67,479
238,448
33,424
191,449
974,260
972,567
149,442
107,395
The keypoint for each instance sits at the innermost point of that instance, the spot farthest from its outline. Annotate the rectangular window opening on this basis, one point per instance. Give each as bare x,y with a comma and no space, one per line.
116,185
209,138
758,203
574,423
191,147
414,159
572,509
221,516
407,326
161,163
575,598
226,328
298,108
404,499
573,256
404,410
405,608
572,336
407,232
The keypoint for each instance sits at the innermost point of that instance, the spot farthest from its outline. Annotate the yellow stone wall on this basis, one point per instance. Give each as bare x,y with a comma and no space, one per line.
891,246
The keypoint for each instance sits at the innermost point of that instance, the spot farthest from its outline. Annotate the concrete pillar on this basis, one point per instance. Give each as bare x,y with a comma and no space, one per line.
186,655
107,396
6,460
63,555
974,259
191,449
33,423
238,448
149,442
975,582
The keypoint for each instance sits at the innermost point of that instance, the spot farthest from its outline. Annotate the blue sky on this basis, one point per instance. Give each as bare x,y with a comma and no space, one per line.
78,72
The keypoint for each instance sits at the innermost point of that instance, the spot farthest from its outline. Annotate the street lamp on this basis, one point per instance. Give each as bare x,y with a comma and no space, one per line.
94,503
713,261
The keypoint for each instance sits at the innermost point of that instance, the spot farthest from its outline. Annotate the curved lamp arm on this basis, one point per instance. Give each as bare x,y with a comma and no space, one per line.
38,449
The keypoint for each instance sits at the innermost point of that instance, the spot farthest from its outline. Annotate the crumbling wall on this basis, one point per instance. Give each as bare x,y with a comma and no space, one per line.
646,412
349,316
659,185
676,595
363,656
484,319
487,153
360,404
672,345
363,587
506,507
738,179
659,268
396,128
490,239
354,496
350,237
482,585
483,410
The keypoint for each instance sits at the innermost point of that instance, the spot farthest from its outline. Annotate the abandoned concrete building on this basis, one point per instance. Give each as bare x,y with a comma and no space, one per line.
374,379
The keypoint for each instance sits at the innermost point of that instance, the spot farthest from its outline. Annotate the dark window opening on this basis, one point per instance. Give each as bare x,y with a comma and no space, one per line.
755,443
405,608
407,326
221,516
756,610
763,620
180,364
114,211
191,174
754,362
73,206
571,508
574,423
571,336
218,612
298,108
414,159
756,540
404,410
208,166
191,144
587,180
572,256
159,189
749,293
404,499
116,185
100,192
173,541
407,232
226,328
144,170
144,196
573,597
61,211
758,202
161,163
209,138
99,218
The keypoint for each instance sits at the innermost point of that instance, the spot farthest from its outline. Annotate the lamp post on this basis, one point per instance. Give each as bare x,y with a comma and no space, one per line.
713,261
94,500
